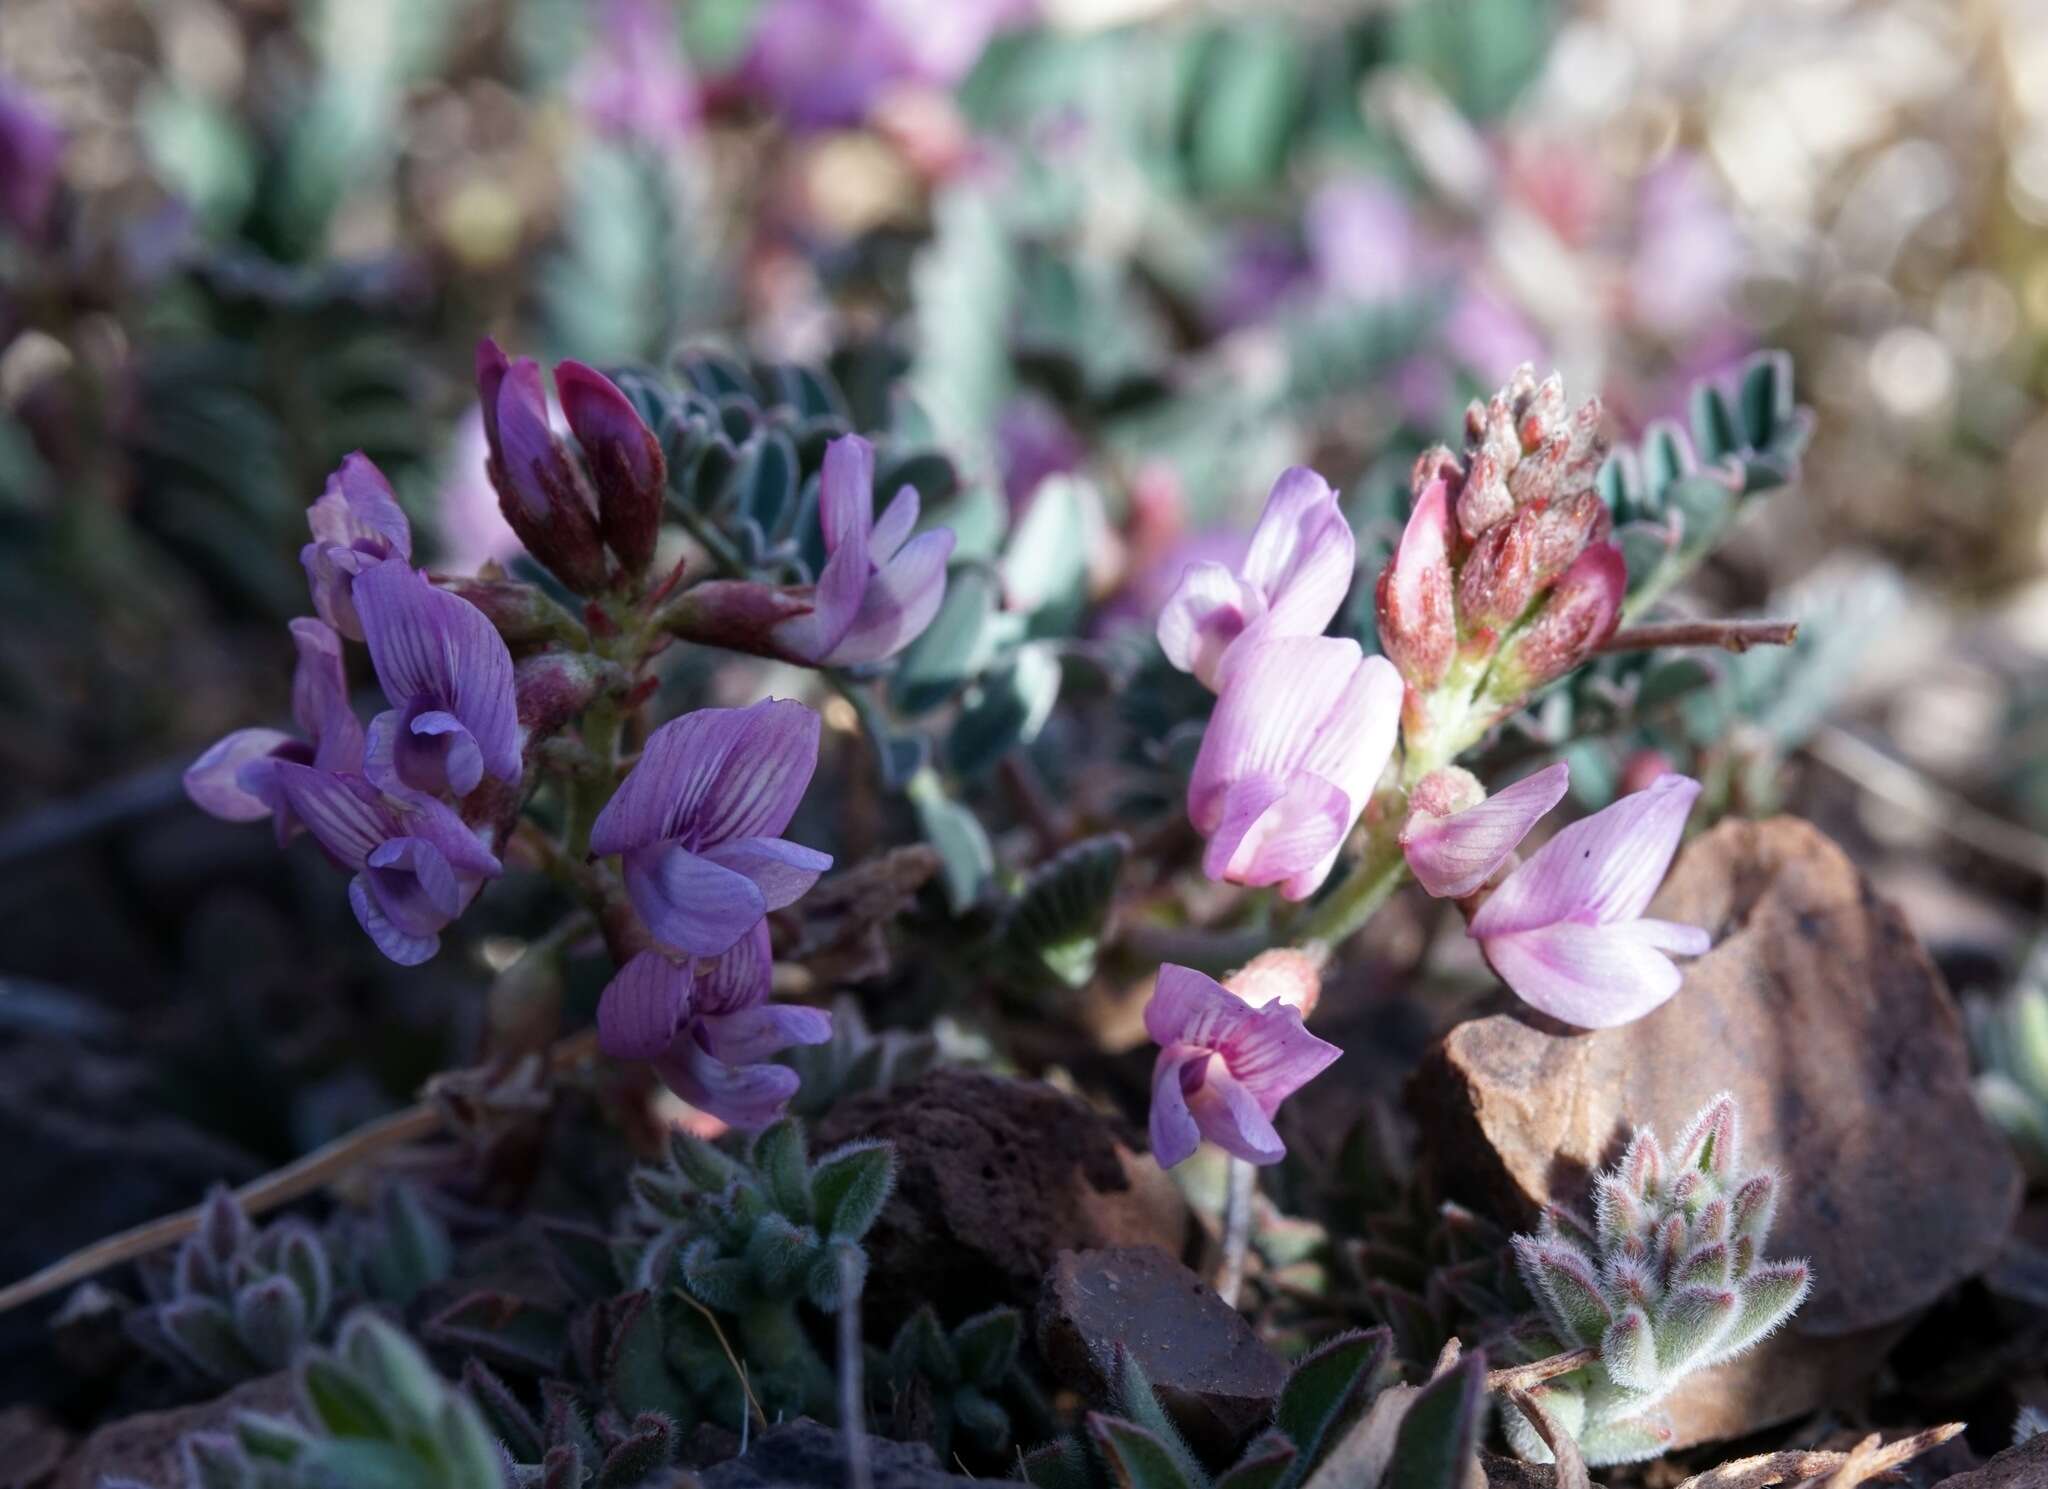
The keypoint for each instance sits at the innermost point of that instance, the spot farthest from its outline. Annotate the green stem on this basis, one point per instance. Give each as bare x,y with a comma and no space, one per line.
714,542
1352,903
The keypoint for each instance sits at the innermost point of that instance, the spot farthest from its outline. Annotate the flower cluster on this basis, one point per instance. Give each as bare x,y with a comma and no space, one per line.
679,858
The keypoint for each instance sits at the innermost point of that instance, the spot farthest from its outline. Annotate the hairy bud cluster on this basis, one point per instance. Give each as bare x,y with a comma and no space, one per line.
1669,1278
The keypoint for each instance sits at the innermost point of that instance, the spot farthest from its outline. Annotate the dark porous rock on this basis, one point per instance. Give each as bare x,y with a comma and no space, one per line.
1505,1472
144,1447
806,1455
2022,1466
996,1177
1822,1014
1203,1357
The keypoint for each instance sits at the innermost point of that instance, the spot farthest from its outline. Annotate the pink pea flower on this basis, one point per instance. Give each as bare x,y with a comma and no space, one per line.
236,779
1566,930
1456,840
880,586
697,820
357,524
1290,758
1224,1067
454,717
1290,583
709,1029
417,866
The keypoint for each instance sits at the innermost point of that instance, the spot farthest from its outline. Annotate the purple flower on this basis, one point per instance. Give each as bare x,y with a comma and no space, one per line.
1224,1068
417,866
696,823
824,64
709,1028
633,83
1456,840
880,587
235,780
357,524
1290,757
623,458
538,489
453,716
31,150
1566,931
1291,582
1362,239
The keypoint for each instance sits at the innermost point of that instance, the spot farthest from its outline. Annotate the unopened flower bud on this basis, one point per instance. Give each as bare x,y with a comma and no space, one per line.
1499,577
1418,630
737,615
537,487
554,687
1283,975
1582,612
623,458
522,613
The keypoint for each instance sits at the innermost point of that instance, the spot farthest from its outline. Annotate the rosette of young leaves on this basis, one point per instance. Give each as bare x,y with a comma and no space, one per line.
2010,1038
394,1253
1669,1278
563,1447
237,1302
373,1415
720,1254
1341,1419
934,1384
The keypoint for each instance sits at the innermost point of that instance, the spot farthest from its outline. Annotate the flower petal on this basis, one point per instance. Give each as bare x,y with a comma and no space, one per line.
358,509
1452,856
1356,737
1208,610
894,526
440,824
320,697
345,813
774,751
899,601
689,902
1266,837
1273,1055
436,649
783,871
414,883
405,949
758,1033
846,493
1674,937
1594,976
213,780
435,746
643,1007
739,978
1303,555
1266,722
748,1097
1190,1007
1173,1131
1231,1117
713,775
1604,868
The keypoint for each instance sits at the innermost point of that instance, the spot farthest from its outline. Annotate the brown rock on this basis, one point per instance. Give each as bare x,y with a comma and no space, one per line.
2024,1466
995,1177
144,1447
1203,1357
1821,1012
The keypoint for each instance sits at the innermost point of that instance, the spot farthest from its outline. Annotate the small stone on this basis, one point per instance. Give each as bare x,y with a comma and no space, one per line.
994,1178
144,1447
1820,1011
805,1455
2022,1466
1204,1359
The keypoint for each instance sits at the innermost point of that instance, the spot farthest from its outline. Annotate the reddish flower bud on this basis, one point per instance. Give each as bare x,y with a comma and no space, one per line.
1418,630
554,687
738,615
1582,612
1560,531
538,490
1499,577
623,459
1485,502
521,613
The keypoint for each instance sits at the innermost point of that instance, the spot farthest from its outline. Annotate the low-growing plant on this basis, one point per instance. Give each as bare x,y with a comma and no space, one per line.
1668,1279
